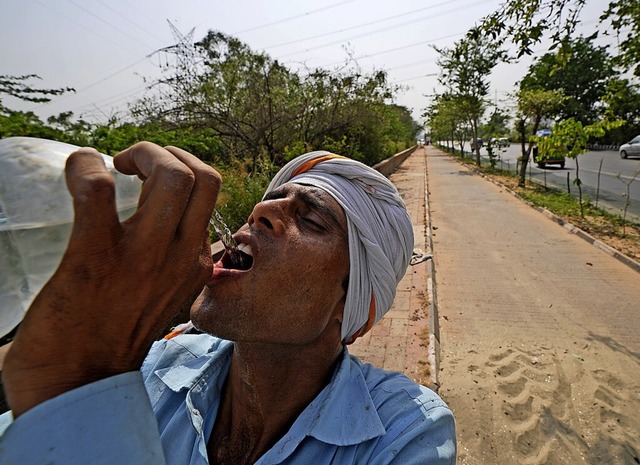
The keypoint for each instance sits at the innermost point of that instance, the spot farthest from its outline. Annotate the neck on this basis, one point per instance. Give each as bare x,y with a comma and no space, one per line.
267,389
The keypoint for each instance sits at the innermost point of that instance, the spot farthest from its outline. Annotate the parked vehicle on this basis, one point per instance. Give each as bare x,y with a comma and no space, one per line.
540,158
479,141
631,148
500,142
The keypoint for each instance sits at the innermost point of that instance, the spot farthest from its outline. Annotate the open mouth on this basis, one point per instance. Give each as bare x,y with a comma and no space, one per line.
238,258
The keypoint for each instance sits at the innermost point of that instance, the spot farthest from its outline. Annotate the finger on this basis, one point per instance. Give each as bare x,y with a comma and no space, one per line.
92,188
204,194
165,192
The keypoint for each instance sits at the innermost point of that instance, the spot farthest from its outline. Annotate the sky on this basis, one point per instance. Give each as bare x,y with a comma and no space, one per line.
109,50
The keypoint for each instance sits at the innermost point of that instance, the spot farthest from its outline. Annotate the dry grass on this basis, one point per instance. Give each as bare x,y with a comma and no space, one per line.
606,227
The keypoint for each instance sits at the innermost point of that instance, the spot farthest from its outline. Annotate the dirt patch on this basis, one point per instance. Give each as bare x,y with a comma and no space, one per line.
554,405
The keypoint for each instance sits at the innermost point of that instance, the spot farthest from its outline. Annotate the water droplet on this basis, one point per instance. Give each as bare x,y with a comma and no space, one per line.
224,234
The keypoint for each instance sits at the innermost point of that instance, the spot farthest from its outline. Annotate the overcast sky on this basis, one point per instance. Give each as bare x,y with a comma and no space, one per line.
106,48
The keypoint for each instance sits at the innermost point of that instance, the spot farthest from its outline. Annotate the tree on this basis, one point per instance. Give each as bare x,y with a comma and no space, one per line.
446,122
625,20
257,107
18,87
569,139
19,123
496,126
220,83
76,132
622,102
465,70
526,23
582,76
534,105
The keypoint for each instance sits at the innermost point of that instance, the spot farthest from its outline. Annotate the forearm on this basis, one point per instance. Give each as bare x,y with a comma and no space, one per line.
106,422
118,284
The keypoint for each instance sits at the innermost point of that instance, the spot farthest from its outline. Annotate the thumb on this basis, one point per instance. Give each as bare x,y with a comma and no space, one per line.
92,188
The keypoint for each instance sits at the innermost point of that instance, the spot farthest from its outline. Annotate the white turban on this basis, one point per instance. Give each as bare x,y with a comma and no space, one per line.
379,228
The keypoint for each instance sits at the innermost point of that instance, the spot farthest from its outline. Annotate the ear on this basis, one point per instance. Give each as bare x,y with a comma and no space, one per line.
338,311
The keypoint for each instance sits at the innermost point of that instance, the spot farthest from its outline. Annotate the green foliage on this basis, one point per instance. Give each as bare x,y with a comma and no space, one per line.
581,72
296,149
446,121
242,189
18,87
76,132
256,106
560,203
496,126
465,71
526,23
18,123
113,137
625,21
570,137
491,152
622,102
534,105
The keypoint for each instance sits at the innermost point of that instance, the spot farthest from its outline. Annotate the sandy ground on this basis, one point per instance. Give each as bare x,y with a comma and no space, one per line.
540,353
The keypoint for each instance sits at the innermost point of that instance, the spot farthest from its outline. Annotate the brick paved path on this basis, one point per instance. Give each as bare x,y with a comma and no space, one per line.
399,341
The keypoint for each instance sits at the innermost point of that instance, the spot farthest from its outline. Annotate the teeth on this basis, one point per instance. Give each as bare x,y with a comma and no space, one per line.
246,249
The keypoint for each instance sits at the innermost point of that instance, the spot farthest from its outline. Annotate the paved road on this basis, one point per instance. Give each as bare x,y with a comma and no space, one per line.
612,177
607,183
539,330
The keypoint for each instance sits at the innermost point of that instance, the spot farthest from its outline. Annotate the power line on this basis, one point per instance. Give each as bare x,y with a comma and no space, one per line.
291,18
388,18
114,98
126,18
109,24
93,31
366,33
422,76
100,81
409,65
402,47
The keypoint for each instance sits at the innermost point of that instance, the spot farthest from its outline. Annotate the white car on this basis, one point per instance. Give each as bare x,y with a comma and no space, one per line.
631,148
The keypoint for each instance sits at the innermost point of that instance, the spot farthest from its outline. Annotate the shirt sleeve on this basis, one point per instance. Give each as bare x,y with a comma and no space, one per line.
429,441
105,422
428,438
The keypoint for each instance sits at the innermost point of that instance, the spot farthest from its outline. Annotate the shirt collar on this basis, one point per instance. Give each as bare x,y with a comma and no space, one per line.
342,414
188,373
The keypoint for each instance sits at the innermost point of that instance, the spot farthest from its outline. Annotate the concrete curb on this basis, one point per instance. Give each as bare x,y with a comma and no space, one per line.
621,257
388,166
433,348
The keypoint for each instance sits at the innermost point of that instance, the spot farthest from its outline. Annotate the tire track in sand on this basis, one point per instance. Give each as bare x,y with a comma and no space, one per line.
544,394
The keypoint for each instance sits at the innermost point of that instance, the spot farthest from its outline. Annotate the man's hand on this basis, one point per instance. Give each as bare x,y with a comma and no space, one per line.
118,283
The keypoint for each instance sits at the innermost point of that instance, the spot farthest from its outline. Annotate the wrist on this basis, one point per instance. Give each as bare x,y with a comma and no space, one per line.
29,379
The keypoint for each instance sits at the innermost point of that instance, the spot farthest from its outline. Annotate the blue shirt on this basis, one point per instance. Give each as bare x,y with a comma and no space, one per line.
165,413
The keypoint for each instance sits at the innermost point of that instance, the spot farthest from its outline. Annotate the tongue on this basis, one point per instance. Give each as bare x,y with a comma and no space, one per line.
238,260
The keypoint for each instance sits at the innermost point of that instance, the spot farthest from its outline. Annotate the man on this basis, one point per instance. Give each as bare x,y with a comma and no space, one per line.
323,253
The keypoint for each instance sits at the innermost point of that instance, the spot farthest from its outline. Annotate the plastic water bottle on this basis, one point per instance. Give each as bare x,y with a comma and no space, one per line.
36,217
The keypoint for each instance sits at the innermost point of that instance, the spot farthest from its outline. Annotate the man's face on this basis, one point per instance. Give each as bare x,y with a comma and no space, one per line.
295,286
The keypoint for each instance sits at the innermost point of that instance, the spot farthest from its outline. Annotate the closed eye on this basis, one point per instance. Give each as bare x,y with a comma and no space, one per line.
313,224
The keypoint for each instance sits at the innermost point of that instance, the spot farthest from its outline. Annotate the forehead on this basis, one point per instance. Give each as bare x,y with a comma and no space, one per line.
314,198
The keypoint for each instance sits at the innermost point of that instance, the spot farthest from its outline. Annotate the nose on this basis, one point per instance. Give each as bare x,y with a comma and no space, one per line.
270,215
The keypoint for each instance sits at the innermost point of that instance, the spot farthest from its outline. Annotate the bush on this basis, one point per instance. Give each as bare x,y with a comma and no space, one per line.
241,190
